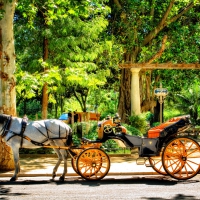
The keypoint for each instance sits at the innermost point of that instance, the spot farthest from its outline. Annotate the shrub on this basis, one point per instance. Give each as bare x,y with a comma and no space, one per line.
138,122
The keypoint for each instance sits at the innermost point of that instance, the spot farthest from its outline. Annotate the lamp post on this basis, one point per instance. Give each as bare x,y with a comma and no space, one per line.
161,93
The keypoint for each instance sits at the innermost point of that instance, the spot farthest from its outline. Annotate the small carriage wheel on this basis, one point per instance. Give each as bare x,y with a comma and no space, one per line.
73,163
107,129
74,159
181,158
93,164
156,164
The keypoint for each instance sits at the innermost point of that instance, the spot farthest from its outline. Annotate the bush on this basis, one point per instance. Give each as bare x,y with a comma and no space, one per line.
36,151
132,130
138,122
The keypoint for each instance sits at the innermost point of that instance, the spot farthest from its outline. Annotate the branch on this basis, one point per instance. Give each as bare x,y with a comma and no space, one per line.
159,53
163,23
182,12
152,8
160,26
77,98
118,4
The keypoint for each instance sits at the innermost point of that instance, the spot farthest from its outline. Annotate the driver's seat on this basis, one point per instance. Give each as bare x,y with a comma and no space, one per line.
105,127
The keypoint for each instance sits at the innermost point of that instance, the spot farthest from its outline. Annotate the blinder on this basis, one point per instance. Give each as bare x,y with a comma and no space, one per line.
7,120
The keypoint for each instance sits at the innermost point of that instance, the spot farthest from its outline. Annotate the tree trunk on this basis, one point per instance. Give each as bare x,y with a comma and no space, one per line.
45,87
44,101
157,112
124,107
25,111
61,103
6,157
7,82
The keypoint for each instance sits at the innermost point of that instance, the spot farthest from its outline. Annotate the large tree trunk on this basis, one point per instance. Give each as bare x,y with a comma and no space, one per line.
6,157
7,82
124,107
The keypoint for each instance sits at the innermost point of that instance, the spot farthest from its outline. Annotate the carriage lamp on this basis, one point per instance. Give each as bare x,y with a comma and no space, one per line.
161,94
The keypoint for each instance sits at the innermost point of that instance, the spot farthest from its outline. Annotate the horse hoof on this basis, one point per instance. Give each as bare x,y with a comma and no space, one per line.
13,179
61,178
53,177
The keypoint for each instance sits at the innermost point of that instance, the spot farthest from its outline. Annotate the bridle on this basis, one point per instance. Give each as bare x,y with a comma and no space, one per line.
6,127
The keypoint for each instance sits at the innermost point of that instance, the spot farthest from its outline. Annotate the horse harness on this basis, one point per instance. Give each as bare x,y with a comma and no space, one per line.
6,128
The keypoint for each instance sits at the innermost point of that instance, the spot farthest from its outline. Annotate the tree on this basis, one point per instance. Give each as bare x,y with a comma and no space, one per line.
7,102
7,85
188,101
78,50
141,27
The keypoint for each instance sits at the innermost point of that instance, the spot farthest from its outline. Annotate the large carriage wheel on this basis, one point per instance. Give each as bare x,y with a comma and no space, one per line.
93,164
156,164
181,158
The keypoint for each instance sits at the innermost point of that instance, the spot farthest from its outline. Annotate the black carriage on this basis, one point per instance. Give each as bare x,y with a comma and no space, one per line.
166,152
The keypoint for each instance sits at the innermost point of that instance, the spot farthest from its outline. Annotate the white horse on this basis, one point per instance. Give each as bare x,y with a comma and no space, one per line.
18,133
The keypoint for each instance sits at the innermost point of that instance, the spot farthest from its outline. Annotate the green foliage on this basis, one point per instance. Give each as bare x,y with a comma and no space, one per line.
138,122
30,108
155,124
189,101
79,54
103,102
133,130
86,42
171,111
27,84
36,151
134,23
110,146
85,129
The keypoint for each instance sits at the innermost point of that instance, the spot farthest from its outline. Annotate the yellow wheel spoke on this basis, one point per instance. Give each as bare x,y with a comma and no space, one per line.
195,150
95,165
179,158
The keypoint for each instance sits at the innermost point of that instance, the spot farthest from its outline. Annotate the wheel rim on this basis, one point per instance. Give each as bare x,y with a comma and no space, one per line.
181,158
156,164
73,163
93,164
74,159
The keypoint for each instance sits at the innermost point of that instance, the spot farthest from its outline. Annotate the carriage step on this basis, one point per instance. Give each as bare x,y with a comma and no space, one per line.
148,165
140,161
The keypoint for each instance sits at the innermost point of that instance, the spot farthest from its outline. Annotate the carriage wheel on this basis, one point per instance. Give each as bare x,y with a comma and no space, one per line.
74,159
156,164
73,163
93,164
181,158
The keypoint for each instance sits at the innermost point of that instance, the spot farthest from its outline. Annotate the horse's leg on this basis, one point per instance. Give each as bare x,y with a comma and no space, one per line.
62,155
15,150
58,163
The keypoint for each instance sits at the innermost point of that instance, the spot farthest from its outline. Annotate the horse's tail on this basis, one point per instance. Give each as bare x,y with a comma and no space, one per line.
69,138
